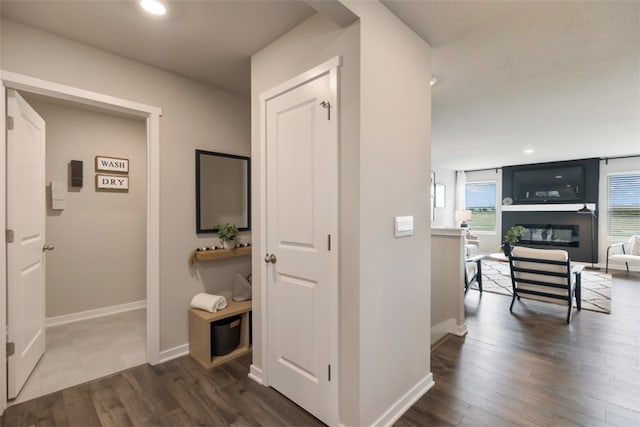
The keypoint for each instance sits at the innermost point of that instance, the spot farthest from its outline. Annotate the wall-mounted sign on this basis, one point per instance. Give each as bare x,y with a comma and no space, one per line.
112,164
112,182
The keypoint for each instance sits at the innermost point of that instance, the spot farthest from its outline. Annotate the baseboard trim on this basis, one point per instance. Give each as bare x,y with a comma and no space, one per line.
256,374
403,404
449,326
173,353
92,314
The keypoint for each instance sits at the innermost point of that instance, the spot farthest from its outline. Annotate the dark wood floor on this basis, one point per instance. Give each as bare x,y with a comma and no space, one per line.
532,369
529,368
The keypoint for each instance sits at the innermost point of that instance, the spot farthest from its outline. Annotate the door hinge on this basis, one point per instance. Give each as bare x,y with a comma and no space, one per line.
329,372
10,236
329,242
9,122
327,105
11,348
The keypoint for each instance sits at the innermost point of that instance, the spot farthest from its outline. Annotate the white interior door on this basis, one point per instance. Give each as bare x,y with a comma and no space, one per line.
26,210
301,199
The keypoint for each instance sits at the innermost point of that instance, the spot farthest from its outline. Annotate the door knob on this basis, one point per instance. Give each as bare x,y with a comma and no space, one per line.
270,258
48,248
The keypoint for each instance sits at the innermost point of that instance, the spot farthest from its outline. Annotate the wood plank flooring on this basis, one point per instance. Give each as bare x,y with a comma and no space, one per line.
525,369
530,368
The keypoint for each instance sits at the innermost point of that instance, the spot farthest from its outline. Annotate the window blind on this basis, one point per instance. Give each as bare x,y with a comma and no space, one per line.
623,205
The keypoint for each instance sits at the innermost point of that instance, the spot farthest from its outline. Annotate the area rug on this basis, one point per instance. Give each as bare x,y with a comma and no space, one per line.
596,286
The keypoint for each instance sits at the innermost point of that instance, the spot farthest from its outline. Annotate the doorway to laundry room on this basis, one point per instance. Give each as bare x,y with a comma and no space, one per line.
96,226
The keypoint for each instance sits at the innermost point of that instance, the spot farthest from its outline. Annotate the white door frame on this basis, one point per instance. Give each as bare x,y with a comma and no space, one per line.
260,374
152,114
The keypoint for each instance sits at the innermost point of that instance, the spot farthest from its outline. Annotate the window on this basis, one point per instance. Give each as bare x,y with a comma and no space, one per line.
480,199
623,205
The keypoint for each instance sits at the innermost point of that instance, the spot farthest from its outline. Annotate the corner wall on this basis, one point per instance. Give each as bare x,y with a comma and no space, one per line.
384,291
395,159
447,293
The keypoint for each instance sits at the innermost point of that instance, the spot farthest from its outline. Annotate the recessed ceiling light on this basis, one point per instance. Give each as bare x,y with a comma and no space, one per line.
558,176
529,151
154,7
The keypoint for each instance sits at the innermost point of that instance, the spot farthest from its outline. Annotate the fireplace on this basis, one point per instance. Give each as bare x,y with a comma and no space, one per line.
566,230
563,235
545,199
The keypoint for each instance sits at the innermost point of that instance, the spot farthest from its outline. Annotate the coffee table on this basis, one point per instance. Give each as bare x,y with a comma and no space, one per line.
498,256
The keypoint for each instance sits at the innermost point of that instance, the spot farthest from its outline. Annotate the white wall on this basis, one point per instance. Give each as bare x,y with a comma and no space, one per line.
489,241
395,159
631,164
99,238
195,115
444,217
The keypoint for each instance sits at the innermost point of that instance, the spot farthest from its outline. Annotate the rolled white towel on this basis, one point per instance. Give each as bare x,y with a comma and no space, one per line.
208,302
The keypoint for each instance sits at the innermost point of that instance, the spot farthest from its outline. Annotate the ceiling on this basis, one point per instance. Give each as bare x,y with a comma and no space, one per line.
209,41
559,77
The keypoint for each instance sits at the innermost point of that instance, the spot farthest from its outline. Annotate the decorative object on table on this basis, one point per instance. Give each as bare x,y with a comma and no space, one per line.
241,287
596,286
462,216
228,233
208,302
586,211
512,237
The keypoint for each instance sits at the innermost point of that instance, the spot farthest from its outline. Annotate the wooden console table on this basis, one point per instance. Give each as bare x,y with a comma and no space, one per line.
200,322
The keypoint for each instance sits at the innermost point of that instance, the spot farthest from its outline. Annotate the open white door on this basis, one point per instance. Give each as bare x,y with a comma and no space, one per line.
26,210
301,209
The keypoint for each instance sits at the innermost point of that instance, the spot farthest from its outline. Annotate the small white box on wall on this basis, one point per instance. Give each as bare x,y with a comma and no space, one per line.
57,195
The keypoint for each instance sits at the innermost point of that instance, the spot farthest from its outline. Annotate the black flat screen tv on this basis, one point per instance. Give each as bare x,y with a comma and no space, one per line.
549,185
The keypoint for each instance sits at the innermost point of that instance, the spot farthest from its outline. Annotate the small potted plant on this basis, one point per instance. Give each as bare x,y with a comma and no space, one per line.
511,238
228,233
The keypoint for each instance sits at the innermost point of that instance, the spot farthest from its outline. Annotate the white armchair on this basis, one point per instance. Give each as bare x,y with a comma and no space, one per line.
473,264
627,252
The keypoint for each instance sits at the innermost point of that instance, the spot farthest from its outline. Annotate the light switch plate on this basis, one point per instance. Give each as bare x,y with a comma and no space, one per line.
403,226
